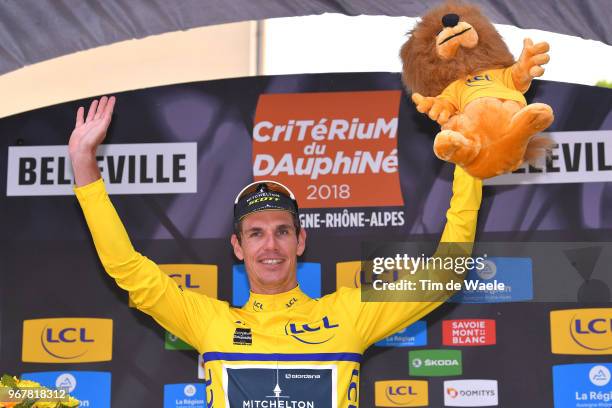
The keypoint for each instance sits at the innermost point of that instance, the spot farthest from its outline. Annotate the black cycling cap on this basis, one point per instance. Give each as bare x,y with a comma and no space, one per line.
264,195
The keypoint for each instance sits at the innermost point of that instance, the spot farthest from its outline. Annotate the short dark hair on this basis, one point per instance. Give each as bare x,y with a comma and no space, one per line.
294,217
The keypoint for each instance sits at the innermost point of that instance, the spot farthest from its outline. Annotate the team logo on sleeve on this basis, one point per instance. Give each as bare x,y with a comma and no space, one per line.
243,336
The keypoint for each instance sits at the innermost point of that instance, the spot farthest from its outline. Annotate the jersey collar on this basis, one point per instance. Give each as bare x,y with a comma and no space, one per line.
280,301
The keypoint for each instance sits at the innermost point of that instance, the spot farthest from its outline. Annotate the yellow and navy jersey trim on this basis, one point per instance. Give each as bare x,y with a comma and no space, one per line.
222,356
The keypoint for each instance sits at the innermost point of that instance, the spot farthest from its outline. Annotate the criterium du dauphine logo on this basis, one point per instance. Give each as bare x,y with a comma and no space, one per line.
330,146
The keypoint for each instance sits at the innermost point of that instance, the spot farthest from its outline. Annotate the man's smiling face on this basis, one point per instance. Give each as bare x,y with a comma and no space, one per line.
269,247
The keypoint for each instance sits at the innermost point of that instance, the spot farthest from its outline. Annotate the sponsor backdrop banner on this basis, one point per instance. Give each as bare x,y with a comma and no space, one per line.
359,158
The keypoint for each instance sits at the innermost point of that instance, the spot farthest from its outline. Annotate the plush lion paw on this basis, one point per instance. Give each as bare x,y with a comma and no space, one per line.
532,119
436,108
452,146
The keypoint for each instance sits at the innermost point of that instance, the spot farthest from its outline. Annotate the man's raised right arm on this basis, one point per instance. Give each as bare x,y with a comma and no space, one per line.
184,313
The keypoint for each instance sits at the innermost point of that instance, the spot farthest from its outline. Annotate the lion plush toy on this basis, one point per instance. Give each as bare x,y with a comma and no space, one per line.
464,77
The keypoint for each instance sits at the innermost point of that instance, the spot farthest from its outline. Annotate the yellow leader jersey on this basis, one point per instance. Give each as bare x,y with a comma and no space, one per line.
496,83
278,351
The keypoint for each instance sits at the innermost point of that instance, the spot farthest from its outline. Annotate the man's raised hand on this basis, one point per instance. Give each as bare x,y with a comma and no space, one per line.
88,134
90,131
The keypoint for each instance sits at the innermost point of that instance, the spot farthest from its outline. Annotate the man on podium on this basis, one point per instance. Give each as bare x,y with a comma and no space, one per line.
282,349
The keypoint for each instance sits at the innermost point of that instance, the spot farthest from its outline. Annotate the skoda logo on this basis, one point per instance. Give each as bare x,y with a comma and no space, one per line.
417,362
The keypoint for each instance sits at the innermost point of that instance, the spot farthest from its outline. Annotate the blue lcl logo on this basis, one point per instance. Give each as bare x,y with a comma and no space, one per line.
597,326
401,390
68,335
311,333
306,327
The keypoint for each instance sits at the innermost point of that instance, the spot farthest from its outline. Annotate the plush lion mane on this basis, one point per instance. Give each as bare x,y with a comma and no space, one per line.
426,73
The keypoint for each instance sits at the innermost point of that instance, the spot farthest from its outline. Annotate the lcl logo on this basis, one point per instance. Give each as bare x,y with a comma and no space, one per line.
68,335
51,342
198,278
593,334
581,331
312,333
184,281
593,326
401,393
477,80
67,340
